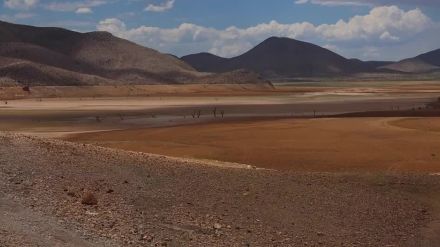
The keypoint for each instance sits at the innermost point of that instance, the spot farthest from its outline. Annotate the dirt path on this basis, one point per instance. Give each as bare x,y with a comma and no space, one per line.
148,200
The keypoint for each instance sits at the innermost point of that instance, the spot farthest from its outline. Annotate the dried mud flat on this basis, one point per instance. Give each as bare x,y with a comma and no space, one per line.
150,200
307,145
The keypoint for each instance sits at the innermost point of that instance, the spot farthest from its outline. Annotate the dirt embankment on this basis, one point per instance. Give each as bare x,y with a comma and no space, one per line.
148,200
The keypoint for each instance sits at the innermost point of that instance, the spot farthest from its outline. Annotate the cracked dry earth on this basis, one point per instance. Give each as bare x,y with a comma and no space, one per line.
150,200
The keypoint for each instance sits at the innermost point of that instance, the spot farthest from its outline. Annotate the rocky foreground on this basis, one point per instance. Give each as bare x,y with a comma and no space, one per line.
54,193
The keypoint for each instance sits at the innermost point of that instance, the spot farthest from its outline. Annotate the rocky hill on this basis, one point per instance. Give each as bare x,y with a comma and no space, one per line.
54,56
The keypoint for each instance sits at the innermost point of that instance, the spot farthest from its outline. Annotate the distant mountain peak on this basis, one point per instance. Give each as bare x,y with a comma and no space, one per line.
280,57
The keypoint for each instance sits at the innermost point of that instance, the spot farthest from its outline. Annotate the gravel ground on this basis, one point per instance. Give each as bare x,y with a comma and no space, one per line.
150,200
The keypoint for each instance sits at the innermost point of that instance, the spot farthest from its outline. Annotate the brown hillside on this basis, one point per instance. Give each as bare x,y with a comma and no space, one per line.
426,62
54,56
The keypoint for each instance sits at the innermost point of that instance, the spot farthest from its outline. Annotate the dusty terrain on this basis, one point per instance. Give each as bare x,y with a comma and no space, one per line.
317,145
61,116
271,131
141,199
148,200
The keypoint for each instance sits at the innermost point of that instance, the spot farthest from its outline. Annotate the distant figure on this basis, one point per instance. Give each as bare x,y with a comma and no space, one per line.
27,89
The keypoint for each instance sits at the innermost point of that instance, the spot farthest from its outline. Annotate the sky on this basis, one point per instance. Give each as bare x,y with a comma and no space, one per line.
369,29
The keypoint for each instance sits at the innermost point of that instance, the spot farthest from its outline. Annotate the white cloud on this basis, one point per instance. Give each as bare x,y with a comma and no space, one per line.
301,1
382,26
168,4
112,25
335,2
84,10
387,36
20,4
380,20
75,6
368,2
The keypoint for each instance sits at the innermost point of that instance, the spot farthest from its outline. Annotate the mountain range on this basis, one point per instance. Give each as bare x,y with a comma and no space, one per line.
288,58
55,56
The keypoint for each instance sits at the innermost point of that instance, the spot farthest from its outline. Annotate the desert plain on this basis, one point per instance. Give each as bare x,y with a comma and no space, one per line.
293,165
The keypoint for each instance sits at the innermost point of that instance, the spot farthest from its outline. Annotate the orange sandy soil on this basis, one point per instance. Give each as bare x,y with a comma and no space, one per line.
324,145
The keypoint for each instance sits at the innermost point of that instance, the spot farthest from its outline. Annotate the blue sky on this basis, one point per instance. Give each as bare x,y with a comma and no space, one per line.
368,29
